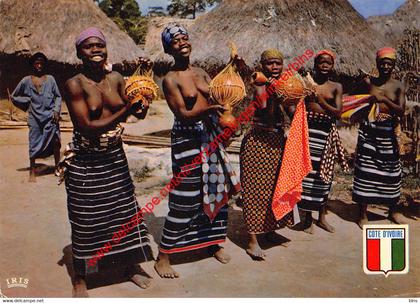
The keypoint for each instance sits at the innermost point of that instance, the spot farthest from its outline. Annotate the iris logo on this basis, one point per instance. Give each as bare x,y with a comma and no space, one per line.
17,282
1,294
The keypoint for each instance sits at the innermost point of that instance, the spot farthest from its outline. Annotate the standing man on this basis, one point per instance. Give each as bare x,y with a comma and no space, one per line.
39,93
377,173
100,191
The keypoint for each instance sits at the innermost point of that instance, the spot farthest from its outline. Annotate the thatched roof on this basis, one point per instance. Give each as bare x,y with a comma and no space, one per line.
391,27
52,26
292,26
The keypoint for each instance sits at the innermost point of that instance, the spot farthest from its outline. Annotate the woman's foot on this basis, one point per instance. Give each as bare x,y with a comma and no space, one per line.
325,226
308,226
80,288
395,216
275,238
163,267
139,277
322,222
363,219
254,250
141,281
219,253
32,175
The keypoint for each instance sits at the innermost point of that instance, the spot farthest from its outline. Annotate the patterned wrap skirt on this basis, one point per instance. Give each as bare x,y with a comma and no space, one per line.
377,172
207,186
100,199
315,190
260,160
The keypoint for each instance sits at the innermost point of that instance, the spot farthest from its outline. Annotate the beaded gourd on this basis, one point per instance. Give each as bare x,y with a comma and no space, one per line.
292,89
228,89
141,86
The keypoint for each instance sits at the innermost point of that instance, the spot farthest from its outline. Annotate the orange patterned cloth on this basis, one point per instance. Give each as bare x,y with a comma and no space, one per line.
296,164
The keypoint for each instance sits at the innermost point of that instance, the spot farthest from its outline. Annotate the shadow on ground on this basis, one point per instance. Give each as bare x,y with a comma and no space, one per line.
350,212
238,234
106,278
40,169
155,227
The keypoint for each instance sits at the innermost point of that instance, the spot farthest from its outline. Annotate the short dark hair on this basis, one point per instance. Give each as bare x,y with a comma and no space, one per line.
37,55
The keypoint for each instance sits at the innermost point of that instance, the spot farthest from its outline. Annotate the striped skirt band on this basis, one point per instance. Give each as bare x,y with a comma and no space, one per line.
315,190
188,226
100,199
377,172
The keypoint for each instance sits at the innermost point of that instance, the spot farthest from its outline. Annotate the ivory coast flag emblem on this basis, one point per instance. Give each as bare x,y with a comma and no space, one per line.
385,249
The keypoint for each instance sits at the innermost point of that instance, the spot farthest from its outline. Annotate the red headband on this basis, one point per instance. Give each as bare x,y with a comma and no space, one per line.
386,52
325,52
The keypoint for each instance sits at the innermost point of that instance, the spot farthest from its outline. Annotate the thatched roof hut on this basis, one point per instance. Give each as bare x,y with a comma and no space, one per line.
52,27
292,26
391,27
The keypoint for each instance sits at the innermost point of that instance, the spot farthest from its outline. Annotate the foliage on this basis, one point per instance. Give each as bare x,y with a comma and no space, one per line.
126,14
185,8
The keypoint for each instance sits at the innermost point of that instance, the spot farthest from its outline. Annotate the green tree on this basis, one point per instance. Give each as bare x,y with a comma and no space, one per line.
185,8
126,14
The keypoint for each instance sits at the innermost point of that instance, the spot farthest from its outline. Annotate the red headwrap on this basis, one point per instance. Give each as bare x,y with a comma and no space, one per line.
325,52
386,52
88,33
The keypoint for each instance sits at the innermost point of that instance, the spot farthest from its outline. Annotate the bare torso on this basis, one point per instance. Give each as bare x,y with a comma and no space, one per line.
103,98
328,91
187,92
392,89
96,107
270,111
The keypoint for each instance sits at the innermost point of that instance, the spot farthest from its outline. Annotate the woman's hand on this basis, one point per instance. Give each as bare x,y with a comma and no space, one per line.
378,95
211,101
55,117
302,71
139,108
215,109
138,104
240,64
144,63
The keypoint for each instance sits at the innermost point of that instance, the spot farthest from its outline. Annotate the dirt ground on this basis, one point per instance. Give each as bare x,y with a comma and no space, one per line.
35,244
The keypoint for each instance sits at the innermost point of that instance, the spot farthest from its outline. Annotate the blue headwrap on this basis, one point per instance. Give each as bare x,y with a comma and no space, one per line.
169,33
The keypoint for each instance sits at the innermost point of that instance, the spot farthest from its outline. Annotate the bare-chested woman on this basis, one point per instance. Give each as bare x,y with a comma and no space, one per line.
197,215
377,173
100,192
323,108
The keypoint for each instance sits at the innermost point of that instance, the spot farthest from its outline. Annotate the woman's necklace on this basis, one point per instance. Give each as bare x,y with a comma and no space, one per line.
93,83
